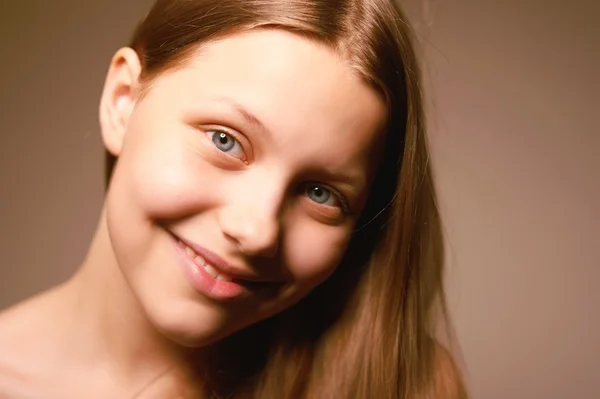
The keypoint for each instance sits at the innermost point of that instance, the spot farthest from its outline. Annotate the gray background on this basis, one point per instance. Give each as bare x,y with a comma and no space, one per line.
513,100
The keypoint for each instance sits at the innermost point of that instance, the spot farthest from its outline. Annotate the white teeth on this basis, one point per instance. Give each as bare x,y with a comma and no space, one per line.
222,277
211,270
200,260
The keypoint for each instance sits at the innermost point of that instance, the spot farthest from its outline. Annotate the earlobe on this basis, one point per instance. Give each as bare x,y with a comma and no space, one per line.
118,98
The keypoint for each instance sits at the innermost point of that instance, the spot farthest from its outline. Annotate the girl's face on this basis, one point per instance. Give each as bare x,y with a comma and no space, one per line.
240,178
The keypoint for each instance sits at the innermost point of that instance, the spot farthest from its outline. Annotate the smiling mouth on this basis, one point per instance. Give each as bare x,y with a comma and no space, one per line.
210,269
218,274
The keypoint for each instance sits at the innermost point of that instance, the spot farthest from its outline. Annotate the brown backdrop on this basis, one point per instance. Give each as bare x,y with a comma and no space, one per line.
513,101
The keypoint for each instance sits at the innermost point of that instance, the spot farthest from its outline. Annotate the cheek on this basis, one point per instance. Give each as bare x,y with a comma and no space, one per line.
165,176
313,251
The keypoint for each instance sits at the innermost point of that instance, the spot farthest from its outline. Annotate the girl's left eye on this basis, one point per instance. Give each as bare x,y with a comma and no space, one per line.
324,196
321,195
226,143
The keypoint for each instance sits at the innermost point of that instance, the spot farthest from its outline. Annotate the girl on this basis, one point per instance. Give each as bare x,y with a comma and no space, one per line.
269,229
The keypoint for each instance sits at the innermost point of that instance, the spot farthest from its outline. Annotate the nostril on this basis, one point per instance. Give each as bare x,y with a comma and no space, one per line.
258,246
252,233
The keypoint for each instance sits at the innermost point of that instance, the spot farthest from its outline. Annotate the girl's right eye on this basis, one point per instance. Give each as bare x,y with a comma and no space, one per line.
225,142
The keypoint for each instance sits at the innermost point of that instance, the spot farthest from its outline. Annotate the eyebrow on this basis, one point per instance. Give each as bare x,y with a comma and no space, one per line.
248,116
356,182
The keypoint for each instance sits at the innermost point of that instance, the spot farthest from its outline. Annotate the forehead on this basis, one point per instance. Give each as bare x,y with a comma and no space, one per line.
315,106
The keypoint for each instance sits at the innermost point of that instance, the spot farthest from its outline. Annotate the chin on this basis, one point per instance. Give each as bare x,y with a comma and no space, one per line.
192,325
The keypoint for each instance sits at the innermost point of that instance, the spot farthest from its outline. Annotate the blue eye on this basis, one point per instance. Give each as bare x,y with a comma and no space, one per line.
321,195
226,143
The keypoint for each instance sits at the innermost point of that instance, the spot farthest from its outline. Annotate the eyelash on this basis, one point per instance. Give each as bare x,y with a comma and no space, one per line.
341,199
211,132
344,204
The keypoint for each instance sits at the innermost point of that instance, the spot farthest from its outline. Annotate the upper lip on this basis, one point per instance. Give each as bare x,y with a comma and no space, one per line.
236,273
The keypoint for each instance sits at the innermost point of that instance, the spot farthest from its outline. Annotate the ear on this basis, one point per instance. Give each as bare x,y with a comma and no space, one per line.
118,98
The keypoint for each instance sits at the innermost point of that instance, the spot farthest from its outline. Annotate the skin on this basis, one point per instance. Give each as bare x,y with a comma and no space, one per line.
279,205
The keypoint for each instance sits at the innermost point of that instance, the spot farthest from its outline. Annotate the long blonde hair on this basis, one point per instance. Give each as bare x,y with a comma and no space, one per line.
367,332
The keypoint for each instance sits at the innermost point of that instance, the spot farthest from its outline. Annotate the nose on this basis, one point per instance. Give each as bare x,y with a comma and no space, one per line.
254,228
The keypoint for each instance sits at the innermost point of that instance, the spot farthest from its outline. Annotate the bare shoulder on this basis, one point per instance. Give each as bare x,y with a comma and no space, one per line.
12,378
448,379
18,322
20,329
13,385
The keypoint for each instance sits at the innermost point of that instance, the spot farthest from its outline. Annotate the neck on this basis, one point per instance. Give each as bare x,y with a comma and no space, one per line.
109,327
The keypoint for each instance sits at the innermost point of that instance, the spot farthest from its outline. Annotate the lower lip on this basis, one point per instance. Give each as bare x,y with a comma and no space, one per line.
206,284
